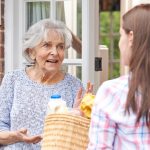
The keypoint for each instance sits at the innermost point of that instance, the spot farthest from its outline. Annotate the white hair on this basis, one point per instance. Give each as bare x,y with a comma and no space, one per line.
39,30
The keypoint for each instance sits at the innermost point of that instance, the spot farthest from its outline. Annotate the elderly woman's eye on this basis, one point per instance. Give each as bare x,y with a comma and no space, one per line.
61,47
46,45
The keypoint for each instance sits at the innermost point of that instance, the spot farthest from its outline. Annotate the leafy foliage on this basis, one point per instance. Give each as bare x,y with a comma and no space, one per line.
109,36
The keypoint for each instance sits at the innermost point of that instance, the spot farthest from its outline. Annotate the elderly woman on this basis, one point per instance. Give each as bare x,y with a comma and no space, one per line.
24,93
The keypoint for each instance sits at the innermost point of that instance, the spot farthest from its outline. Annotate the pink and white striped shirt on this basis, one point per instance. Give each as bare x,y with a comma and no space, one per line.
110,128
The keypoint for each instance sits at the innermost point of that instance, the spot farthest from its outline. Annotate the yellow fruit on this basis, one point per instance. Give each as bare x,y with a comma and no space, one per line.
87,104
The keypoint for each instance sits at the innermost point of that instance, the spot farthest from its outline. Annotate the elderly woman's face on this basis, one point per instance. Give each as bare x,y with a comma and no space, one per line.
49,54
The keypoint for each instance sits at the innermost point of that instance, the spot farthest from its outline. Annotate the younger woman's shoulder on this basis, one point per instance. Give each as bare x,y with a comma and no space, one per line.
112,92
116,83
114,86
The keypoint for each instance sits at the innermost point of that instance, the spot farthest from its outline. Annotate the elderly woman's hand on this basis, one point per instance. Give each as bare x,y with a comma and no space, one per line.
89,89
10,137
24,137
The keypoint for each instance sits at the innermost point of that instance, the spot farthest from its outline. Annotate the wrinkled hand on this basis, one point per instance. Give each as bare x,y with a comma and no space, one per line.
10,137
79,96
24,137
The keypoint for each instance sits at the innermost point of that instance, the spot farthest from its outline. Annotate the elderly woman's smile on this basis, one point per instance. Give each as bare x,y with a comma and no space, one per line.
52,61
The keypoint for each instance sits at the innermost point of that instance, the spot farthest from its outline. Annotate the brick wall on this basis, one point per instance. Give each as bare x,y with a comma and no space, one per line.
2,41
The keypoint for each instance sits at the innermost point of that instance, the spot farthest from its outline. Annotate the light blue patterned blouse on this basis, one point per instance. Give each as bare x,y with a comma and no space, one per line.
23,103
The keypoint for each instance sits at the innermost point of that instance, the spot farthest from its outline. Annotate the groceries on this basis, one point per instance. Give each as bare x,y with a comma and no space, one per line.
64,128
87,104
56,105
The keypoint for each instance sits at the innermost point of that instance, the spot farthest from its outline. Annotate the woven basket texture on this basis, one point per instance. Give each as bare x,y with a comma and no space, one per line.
65,132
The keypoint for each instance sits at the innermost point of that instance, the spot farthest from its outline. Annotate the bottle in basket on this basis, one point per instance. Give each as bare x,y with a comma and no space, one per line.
56,105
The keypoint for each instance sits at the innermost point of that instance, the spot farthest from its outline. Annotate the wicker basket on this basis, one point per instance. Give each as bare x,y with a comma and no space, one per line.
65,132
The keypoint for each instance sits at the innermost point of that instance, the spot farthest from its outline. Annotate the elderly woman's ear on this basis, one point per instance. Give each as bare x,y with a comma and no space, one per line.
31,53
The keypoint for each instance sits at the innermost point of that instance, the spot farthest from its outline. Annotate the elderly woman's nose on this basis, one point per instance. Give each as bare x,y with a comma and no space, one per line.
54,50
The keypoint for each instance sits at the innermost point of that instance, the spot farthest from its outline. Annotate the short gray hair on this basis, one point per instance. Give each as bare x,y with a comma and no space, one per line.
39,30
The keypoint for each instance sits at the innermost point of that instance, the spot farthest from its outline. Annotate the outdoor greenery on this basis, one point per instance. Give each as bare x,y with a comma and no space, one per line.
109,36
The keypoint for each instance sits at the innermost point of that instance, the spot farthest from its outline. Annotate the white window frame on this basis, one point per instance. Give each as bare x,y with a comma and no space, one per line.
14,30
90,40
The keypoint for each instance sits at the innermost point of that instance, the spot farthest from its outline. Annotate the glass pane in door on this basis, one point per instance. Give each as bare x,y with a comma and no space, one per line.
36,11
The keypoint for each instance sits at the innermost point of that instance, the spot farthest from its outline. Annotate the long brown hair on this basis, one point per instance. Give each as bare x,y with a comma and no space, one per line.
138,20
